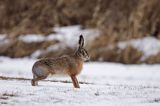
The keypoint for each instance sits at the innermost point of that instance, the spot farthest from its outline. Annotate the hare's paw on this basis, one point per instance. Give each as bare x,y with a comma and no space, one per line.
34,83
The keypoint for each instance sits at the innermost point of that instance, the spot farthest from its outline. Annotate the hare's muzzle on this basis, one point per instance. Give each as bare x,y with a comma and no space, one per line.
87,59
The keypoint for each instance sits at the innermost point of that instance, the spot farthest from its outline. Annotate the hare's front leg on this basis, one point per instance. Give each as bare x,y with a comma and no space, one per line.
75,81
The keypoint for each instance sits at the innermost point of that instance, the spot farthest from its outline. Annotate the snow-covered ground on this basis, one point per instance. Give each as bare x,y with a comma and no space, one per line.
109,84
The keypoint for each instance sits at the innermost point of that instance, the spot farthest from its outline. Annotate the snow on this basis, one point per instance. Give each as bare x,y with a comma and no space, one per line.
36,53
3,39
68,35
109,84
32,38
56,47
148,45
104,83
2,36
15,67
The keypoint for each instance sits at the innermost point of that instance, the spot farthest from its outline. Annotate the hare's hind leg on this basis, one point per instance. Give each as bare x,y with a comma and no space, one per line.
35,81
39,73
75,82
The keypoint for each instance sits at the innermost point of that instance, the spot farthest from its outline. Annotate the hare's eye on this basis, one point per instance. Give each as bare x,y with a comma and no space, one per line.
84,52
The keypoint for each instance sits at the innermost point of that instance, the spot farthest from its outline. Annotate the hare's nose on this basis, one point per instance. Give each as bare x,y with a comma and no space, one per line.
88,59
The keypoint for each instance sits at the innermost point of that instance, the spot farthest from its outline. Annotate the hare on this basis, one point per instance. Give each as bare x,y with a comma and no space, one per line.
68,64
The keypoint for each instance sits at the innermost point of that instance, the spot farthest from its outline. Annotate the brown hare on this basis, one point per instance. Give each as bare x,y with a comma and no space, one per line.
68,64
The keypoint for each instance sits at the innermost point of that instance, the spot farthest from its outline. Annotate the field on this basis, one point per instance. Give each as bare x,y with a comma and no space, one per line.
122,38
101,84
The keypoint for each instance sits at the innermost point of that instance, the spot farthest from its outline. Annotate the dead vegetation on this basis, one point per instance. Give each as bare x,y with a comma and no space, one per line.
22,16
129,55
17,48
125,19
153,59
117,20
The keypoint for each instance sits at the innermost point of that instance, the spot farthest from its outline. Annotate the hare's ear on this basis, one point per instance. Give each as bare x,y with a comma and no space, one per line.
81,41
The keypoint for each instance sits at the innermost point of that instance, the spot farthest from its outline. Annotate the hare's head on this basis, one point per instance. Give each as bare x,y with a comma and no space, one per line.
82,53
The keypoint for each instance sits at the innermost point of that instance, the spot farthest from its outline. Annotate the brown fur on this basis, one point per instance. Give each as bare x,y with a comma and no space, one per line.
69,64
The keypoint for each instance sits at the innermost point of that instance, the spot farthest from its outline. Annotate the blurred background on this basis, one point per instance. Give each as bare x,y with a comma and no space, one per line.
123,31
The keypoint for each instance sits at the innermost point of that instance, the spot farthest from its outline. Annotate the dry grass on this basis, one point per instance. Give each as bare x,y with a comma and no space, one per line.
153,59
128,19
125,19
32,16
17,48
129,55
117,20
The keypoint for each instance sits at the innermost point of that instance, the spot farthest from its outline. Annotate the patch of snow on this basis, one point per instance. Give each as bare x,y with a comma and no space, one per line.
55,36
71,34
60,94
32,38
148,45
21,67
113,84
56,47
51,48
3,39
36,54
68,35
18,66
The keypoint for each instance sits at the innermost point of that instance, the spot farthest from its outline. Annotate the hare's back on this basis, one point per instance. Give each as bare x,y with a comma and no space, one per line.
58,65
